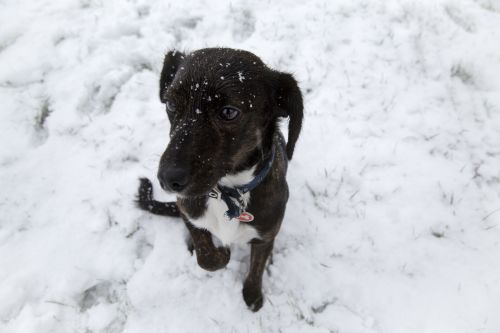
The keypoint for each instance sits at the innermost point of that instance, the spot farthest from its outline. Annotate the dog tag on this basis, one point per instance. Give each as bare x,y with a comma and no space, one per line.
245,217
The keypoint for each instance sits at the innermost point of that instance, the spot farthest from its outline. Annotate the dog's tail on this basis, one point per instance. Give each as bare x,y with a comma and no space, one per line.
145,201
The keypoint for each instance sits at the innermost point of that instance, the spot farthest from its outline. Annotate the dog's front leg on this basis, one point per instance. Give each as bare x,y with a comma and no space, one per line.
252,288
209,257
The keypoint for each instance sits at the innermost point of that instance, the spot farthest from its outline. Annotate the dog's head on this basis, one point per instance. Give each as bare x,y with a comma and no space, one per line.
223,106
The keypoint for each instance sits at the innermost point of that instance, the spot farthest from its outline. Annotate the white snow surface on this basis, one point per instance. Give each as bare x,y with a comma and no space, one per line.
394,211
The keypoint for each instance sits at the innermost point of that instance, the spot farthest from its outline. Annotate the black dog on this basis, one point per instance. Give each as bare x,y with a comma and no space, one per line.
227,158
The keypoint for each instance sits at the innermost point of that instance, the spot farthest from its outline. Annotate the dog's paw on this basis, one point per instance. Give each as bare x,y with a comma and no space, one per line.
253,297
213,260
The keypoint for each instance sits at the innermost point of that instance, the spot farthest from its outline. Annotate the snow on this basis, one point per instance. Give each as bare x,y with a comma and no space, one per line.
393,218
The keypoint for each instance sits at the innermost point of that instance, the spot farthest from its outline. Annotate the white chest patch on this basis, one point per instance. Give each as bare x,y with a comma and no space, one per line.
213,219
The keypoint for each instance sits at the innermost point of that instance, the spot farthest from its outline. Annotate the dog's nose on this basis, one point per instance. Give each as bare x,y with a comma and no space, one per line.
174,179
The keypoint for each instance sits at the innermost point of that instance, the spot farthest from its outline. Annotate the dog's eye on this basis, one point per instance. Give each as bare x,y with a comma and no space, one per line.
229,113
170,107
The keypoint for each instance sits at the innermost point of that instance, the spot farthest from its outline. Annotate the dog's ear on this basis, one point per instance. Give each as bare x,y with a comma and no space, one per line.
171,64
289,104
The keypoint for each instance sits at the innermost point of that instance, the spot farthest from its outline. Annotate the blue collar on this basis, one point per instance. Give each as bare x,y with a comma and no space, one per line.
233,196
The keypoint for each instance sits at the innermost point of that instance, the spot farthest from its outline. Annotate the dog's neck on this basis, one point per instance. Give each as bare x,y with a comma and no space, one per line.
238,178
246,171
234,189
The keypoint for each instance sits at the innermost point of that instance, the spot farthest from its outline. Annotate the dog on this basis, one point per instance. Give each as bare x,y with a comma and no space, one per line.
227,159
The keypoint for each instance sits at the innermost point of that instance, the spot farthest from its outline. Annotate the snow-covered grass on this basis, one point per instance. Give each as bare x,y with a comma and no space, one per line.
393,219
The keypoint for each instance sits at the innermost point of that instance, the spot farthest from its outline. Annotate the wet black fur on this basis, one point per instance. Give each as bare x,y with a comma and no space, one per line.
200,84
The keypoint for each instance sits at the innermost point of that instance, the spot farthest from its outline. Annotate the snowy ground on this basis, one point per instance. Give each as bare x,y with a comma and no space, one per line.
393,219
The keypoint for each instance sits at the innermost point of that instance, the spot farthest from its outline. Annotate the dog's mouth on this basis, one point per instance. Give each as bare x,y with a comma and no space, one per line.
194,193
190,191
